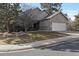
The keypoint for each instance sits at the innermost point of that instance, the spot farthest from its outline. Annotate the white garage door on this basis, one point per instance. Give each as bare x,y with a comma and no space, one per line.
59,27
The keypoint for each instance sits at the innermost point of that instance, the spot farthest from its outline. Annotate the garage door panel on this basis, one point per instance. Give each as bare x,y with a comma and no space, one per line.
59,27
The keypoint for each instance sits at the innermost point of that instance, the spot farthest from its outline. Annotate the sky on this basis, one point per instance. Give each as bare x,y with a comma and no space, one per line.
70,8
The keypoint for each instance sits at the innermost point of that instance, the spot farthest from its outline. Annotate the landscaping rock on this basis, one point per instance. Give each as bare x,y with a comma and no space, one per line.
21,33
6,34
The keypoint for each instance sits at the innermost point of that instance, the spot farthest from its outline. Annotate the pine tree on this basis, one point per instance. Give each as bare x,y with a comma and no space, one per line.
8,14
51,7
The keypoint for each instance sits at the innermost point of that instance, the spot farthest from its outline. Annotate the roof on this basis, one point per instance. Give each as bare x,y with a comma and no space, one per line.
35,15
56,13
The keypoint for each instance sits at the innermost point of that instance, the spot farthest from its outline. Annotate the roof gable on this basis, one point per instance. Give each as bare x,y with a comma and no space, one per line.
53,15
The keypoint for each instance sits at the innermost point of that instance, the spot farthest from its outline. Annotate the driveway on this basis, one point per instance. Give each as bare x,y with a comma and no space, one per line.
71,45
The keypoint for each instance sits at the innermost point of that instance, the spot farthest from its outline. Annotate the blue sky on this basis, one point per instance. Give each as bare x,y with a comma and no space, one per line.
70,8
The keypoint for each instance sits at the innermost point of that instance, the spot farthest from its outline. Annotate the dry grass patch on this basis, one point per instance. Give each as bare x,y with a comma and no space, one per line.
30,37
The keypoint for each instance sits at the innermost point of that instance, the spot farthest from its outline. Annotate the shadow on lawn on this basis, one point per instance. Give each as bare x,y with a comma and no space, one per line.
67,46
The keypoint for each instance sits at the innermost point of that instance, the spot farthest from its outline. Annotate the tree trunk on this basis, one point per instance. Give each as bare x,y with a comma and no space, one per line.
25,29
8,26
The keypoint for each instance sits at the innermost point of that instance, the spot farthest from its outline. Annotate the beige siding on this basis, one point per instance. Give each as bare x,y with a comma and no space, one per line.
45,25
59,19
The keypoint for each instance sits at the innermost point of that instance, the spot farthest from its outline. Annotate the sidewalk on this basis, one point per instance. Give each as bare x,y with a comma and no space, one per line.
6,48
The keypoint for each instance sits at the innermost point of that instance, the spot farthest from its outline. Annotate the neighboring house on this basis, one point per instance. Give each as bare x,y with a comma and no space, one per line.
35,19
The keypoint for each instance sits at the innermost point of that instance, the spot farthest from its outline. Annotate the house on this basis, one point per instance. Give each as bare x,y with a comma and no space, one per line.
29,19
35,19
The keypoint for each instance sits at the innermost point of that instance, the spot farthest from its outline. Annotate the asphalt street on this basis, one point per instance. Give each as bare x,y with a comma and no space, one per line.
38,52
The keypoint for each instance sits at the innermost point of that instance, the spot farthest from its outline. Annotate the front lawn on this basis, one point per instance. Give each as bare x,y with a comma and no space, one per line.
30,37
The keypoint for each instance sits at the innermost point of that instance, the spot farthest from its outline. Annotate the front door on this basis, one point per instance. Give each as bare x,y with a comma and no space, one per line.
36,26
